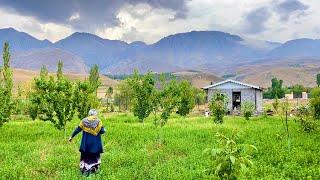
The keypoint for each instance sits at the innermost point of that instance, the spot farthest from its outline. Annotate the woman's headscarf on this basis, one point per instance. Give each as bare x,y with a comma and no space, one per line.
91,124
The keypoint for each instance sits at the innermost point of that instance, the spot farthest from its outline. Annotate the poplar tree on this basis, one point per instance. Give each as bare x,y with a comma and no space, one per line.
6,85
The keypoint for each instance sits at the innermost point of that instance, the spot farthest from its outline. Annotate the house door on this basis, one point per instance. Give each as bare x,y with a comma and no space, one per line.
236,100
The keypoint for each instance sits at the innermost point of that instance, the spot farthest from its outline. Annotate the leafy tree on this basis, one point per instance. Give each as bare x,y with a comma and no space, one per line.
6,85
200,98
247,109
217,106
53,98
315,102
186,98
318,80
94,78
230,158
124,95
143,87
84,98
276,90
108,95
169,98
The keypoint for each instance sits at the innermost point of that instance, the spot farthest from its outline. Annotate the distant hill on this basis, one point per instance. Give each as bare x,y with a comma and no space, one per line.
93,49
198,79
297,49
210,52
23,77
34,59
20,41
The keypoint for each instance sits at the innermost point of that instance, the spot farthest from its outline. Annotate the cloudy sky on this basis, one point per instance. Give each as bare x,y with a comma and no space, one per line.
150,20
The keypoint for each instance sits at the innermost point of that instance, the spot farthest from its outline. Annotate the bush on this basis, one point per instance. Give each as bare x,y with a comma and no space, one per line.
217,107
315,103
247,109
230,159
307,122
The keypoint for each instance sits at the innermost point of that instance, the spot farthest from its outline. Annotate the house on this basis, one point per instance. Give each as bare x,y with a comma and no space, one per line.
237,93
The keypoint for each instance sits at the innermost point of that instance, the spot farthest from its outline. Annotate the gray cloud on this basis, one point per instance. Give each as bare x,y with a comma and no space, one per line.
256,20
92,14
286,8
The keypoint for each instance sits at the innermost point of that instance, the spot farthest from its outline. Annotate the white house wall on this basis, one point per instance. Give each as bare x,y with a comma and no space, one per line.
247,94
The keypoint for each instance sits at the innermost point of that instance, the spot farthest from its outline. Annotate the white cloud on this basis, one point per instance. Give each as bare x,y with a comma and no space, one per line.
142,22
32,26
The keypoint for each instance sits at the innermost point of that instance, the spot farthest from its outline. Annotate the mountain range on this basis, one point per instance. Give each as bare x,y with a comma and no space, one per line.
207,51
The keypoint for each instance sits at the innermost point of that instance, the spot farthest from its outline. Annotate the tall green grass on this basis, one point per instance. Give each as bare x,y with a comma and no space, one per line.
35,149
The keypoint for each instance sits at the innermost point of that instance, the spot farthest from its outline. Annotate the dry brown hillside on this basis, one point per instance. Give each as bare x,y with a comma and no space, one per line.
198,79
303,73
22,76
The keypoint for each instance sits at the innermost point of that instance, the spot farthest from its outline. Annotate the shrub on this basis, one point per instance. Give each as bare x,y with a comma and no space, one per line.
307,122
247,109
217,106
230,159
315,103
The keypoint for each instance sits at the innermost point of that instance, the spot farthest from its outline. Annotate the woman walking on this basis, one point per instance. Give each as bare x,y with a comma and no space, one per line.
91,144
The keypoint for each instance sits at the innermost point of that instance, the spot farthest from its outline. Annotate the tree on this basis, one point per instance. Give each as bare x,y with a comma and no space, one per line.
169,98
124,95
94,78
108,95
315,102
6,85
217,106
200,98
186,100
53,98
84,98
318,80
276,90
143,87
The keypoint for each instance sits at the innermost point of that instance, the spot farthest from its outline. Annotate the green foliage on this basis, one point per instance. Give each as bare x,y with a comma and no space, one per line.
230,159
186,100
124,95
218,107
307,122
247,109
315,102
52,98
143,87
200,97
275,105
20,102
276,90
318,80
169,98
84,98
6,85
94,78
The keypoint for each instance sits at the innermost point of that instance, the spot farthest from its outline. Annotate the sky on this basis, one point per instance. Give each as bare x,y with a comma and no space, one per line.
151,20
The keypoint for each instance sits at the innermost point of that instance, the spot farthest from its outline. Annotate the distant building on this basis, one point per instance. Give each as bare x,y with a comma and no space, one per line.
237,93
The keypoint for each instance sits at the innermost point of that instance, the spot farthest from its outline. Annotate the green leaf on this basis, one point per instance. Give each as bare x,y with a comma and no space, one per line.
232,159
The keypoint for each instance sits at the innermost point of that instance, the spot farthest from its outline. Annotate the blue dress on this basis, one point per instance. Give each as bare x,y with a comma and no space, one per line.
90,148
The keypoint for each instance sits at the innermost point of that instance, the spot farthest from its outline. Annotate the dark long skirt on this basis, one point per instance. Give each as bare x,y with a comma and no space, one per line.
89,163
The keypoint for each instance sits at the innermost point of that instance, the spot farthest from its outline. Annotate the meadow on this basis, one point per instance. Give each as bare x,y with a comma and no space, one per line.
36,150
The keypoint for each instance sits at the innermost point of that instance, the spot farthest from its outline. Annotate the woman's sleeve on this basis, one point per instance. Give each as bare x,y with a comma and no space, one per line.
102,130
76,131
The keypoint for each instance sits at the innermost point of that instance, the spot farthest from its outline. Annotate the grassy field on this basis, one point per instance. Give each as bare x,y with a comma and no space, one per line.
36,150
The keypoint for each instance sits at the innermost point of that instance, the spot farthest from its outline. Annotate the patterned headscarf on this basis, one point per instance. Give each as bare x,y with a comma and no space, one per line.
91,124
